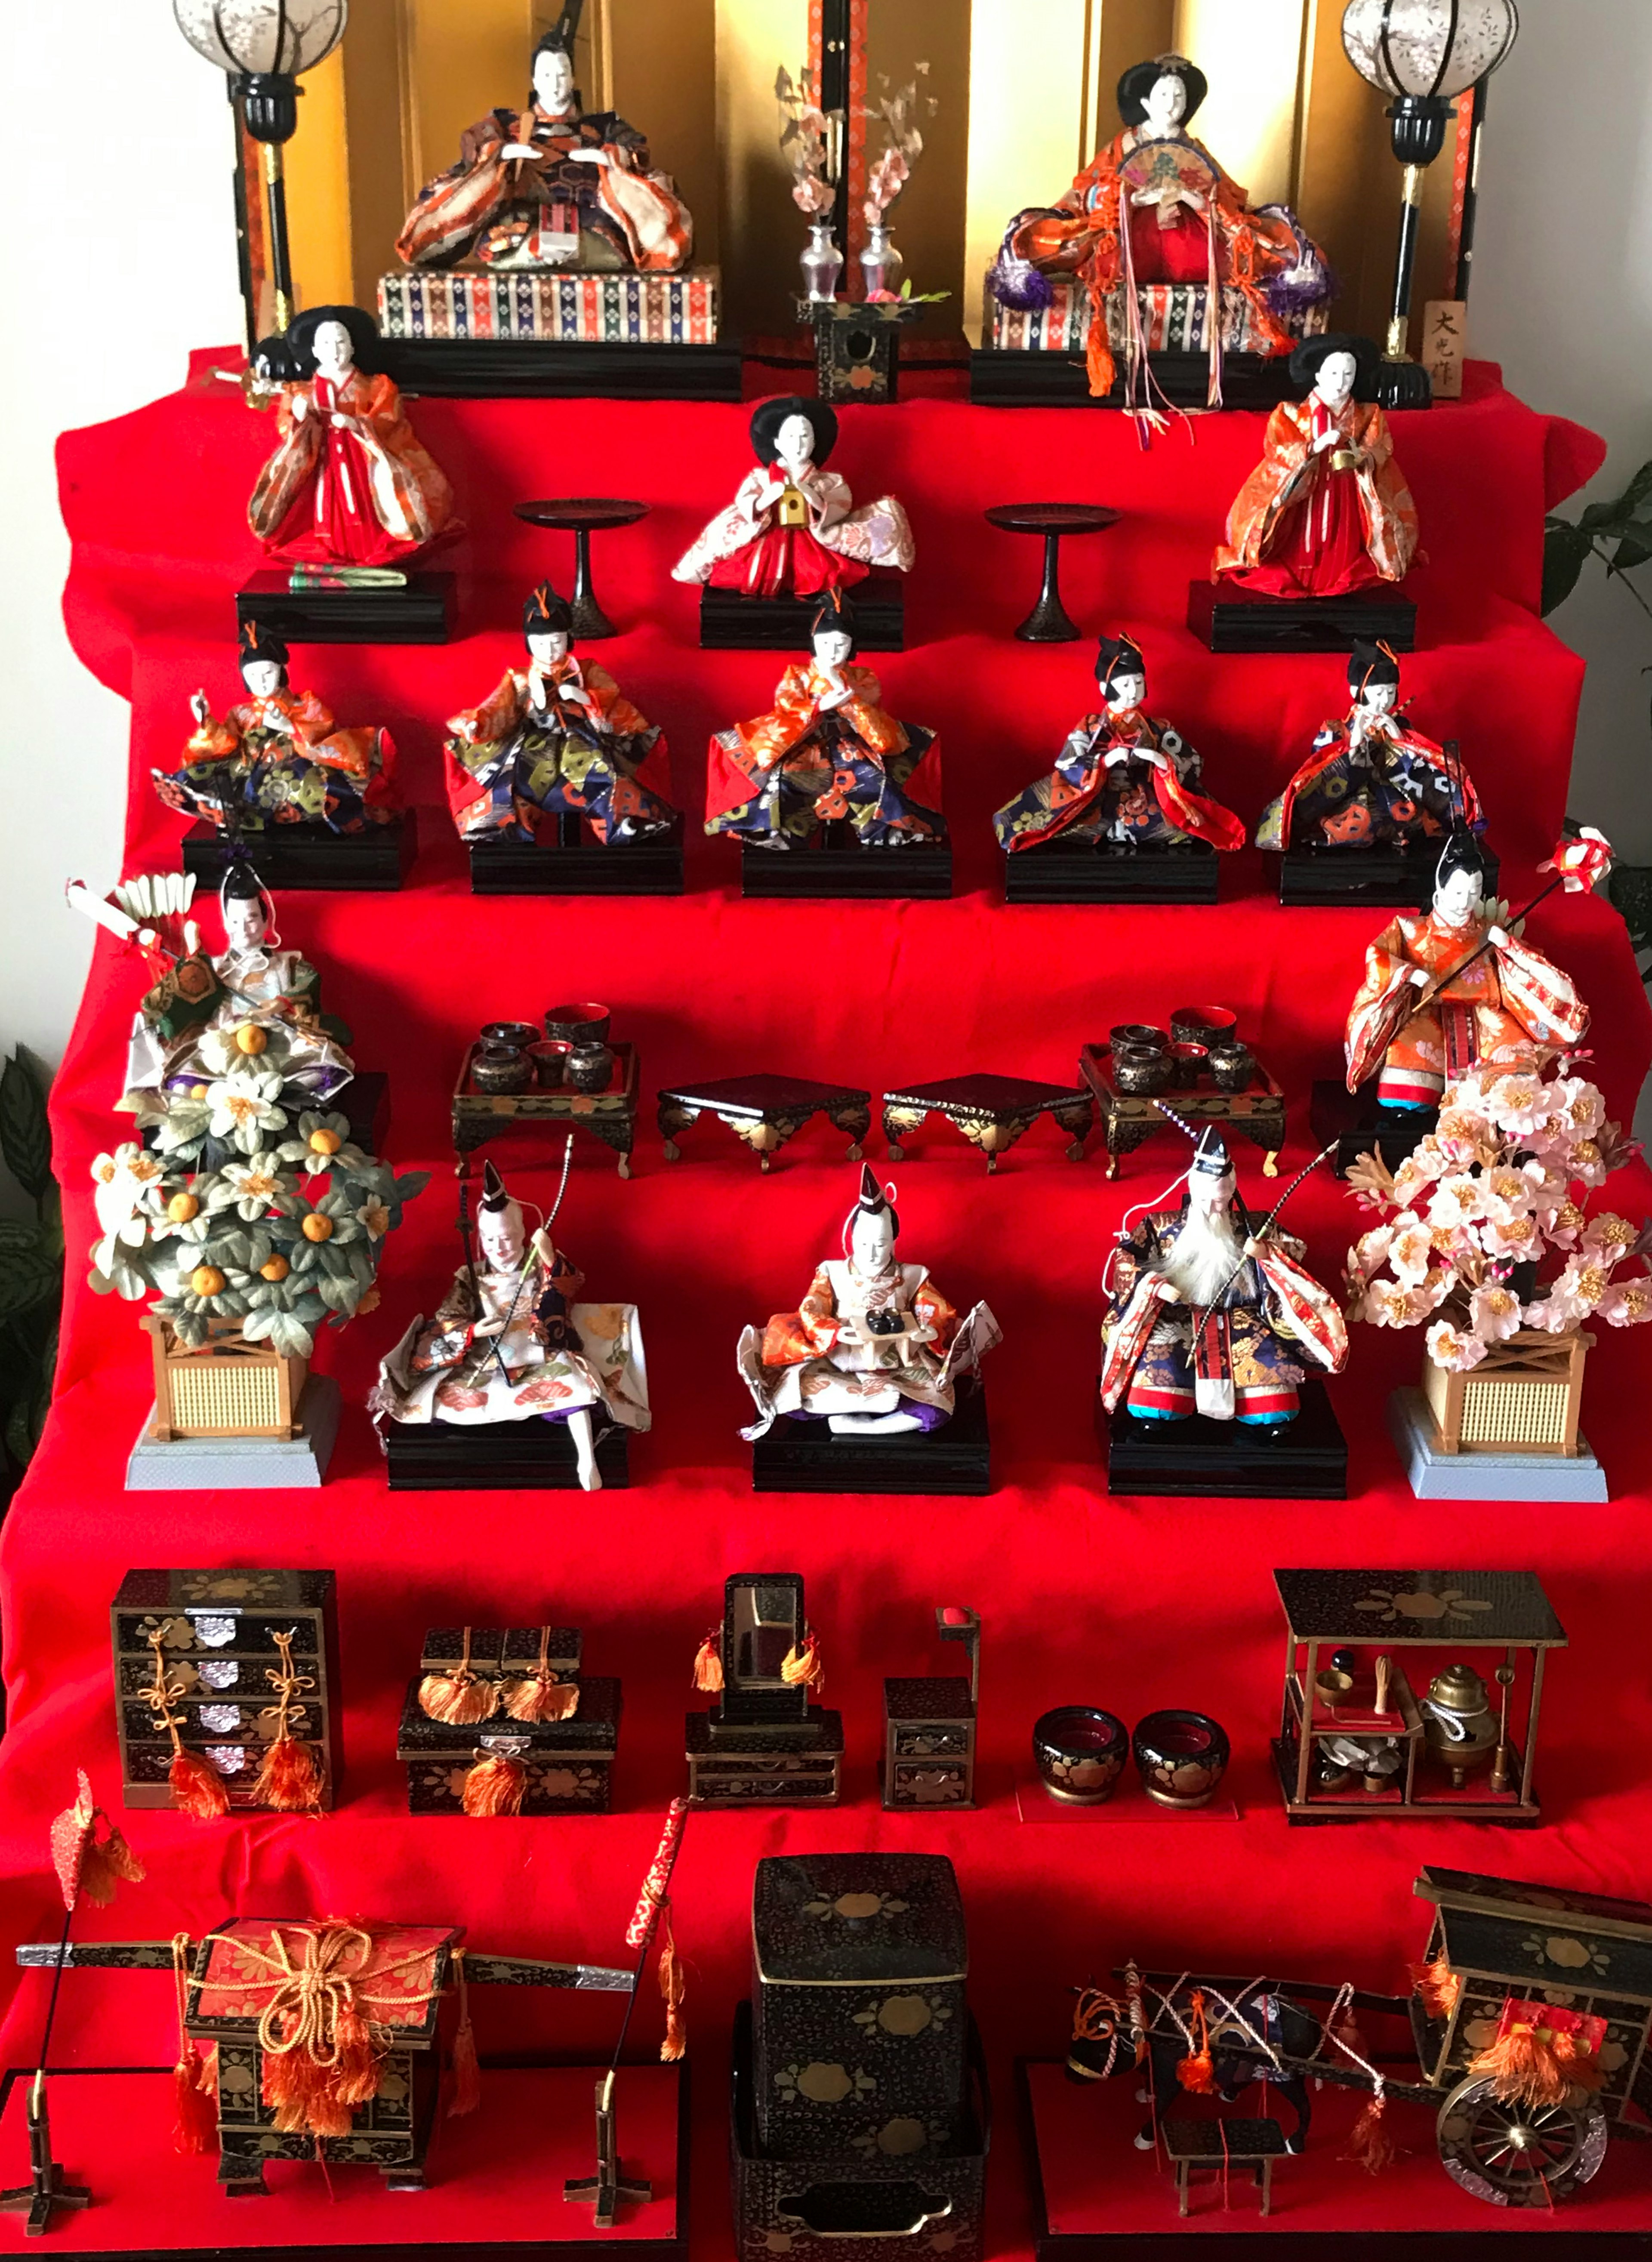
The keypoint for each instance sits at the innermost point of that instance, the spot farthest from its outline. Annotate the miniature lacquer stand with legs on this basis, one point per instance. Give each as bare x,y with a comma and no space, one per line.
607,2190
46,2189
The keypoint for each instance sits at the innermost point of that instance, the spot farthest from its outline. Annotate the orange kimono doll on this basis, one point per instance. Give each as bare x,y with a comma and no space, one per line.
348,484
1444,992
1327,510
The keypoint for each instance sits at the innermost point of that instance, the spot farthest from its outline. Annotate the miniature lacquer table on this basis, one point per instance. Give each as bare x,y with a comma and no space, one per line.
1049,620
991,1111
581,516
765,1110
609,1116
1131,1119
1217,2147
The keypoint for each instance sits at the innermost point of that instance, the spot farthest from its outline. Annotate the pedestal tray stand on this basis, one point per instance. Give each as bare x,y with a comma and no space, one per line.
581,516
1130,1119
991,1111
1049,620
609,1116
765,1110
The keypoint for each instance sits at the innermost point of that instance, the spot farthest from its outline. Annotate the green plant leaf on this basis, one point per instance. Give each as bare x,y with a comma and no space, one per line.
25,1136
1611,517
27,1280
1566,548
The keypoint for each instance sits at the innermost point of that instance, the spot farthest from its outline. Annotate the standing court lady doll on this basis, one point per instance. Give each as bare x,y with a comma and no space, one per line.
793,528
348,484
556,736
1123,780
1327,510
826,750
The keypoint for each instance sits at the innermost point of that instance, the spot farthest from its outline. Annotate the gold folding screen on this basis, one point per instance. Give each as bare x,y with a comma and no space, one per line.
1024,91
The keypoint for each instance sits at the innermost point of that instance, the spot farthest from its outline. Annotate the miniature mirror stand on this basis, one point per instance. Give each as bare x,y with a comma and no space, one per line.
765,1742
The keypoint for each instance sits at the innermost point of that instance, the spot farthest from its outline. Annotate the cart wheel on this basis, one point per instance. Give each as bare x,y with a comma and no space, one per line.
1516,2155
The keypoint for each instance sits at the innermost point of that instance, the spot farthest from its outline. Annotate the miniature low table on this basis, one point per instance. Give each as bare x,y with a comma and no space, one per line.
1049,620
581,516
1197,2147
991,1111
765,1110
1131,1119
609,1116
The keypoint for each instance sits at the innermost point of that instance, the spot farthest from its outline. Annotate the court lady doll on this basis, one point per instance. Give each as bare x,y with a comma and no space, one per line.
348,484
1445,991
1327,510
874,1348
1371,780
826,750
1123,779
278,758
793,528
557,737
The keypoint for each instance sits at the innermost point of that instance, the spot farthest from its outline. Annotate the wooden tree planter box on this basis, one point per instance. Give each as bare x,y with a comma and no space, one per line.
1523,1397
227,1388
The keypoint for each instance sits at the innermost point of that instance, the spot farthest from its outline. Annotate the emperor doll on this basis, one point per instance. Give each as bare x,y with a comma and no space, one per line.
278,758
512,1342
557,737
1207,1314
1447,992
874,1348
1124,780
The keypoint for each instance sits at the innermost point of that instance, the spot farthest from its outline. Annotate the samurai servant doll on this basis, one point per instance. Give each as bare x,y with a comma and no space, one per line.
793,528
348,484
826,750
1444,992
510,1341
552,185
1370,780
1207,1316
1327,510
278,758
556,737
875,1347
1124,780
1154,207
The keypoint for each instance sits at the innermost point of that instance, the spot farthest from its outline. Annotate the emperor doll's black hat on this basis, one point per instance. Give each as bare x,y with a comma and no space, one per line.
1211,1157
558,40
1462,853
1307,357
258,642
543,612
1117,656
495,1197
834,615
241,885
873,1200
1141,78
1371,663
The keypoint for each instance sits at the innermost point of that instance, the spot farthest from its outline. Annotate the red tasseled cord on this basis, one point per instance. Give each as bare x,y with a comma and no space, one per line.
196,1790
288,1781
195,2122
707,1665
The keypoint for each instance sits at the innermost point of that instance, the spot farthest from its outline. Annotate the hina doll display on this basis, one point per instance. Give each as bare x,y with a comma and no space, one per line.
1444,992
875,1349
1371,780
1207,1316
551,186
793,528
1155,207
557,737
827,752
349,488
1124,781
276,758
511,1342
1326,512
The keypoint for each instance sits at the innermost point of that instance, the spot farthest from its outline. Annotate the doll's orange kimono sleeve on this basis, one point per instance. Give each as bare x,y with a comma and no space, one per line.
1257,506
792,1337
1381,1004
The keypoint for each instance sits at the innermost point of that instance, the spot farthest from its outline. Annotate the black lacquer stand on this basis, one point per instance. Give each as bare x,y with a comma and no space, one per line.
1049,620
581,516
46,2189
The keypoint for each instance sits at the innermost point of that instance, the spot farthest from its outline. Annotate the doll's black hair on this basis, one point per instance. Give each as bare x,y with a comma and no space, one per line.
1117,656
834,615
1141,78
258,642
1462,853
543,612
769,415
1306,360
298,340
1371,663
240,884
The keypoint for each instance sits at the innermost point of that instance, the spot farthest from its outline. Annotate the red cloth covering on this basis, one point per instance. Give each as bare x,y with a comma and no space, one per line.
1128,1604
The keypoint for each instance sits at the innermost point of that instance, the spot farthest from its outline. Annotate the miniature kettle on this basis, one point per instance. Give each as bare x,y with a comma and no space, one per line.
1458,1722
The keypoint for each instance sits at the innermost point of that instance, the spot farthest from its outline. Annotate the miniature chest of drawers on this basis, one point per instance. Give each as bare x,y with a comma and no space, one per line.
212,1635
567,1764
929,1742
861,2027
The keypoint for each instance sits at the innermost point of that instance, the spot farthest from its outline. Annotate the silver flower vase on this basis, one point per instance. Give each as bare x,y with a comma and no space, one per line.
822,262
881,263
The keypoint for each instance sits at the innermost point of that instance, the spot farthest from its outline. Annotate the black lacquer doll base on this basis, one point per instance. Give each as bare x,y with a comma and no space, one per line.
836,864
1227,618
804,1456
1056,872
731,622
425,611
1303,1460
568,861
527,1456
1395,879
287,856
1361,1126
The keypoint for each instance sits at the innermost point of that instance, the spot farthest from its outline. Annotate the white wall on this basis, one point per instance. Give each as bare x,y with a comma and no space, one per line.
117,256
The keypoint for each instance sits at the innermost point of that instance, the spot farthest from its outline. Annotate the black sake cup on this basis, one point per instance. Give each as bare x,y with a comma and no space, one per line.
1137,1039
1079,1752
500,1068
583,1023
1202,1025
1181,1757
519,1035
1142,1073
1232,1065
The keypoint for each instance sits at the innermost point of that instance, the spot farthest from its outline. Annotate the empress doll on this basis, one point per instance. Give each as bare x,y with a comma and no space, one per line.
793,528
1155,206
874,1348
1445,991
510,1343
278,758
1123,779
348,484
552,185
1371,780
1204,1318
556,736
826,749
1327,510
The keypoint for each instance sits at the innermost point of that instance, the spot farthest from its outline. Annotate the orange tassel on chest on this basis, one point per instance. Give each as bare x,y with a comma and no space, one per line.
196,1789
495,1785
